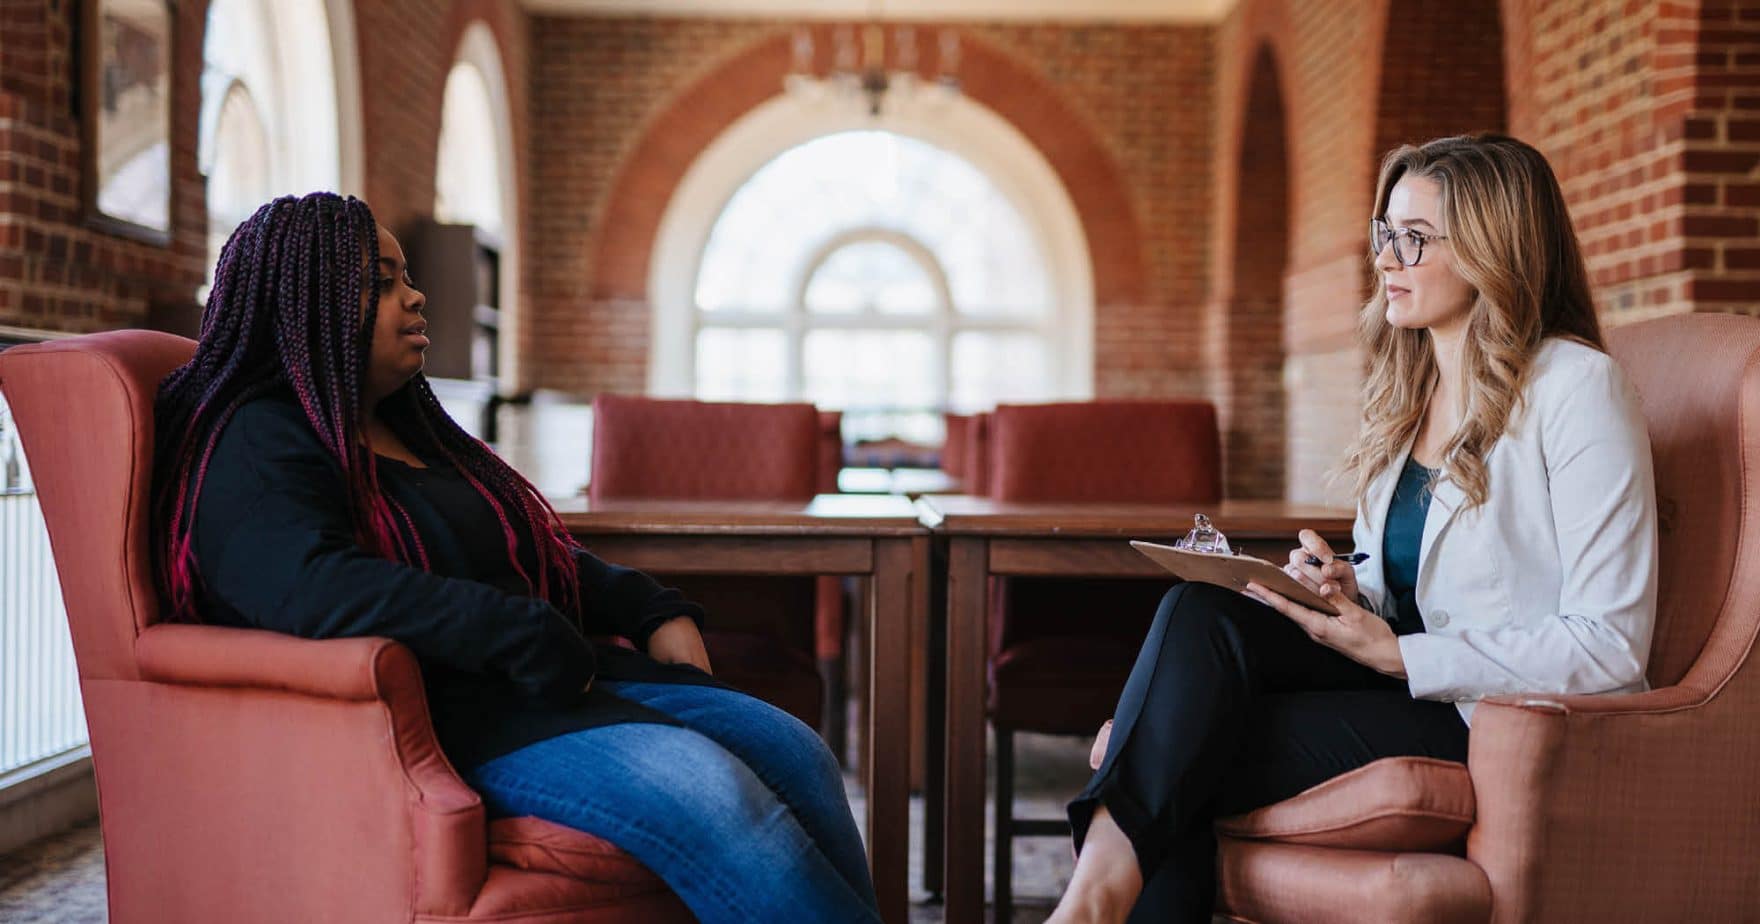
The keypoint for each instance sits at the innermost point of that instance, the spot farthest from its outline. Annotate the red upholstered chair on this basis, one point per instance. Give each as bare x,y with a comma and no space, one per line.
953,446
1060,650
251,776
1641,807
977,455
760,631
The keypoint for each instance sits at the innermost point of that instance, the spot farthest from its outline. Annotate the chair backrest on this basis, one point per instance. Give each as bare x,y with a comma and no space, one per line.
1699,380
1106,451
830,450
976,477
654,448
953,448
84,411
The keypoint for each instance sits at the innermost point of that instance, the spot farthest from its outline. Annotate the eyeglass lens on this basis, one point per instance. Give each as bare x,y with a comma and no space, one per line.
1407,248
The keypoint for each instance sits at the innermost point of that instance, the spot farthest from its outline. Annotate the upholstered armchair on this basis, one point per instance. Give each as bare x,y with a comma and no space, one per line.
250,776
1060,650
761,630
1640,807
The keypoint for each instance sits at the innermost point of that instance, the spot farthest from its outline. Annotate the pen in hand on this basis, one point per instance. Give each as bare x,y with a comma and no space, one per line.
1353,559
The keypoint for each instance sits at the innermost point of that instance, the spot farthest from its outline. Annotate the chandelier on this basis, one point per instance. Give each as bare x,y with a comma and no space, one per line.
863,78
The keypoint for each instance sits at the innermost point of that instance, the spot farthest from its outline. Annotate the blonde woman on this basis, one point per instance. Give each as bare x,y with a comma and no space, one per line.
1504,496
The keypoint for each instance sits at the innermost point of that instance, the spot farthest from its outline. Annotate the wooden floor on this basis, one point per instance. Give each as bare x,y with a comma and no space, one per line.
61,880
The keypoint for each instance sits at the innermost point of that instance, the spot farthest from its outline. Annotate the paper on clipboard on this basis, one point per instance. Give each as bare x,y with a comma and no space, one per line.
1233,572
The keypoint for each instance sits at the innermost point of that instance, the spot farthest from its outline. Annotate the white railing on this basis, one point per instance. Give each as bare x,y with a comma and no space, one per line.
41,715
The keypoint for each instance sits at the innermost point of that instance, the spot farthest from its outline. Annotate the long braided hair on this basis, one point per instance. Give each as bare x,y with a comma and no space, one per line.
283,315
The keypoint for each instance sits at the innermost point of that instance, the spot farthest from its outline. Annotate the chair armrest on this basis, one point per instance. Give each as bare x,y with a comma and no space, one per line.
1664,699
214,656
338,679
1624,806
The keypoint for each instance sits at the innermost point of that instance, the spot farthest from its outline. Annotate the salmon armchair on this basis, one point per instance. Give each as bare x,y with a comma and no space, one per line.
1640,807
246,775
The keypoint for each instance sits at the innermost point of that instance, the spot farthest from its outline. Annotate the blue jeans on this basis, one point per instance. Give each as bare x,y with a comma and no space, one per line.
741,811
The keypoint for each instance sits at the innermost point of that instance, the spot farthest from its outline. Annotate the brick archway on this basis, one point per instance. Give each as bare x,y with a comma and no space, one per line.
624,236
1247,319
1442,76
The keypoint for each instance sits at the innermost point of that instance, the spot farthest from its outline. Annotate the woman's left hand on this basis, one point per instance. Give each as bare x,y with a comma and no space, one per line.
1355,632
677,641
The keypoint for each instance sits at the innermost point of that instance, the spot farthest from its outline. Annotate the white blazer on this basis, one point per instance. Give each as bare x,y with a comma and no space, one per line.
1550,585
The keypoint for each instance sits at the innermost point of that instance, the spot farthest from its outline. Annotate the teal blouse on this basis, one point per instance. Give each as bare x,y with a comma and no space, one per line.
1401,543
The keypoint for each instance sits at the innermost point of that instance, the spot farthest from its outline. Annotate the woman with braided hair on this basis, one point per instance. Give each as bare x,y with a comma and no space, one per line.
308,482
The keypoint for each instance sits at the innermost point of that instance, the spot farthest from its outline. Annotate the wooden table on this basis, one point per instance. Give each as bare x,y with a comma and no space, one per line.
876,536
986,538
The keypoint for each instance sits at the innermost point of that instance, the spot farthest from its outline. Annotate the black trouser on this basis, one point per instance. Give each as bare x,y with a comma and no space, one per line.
1231,707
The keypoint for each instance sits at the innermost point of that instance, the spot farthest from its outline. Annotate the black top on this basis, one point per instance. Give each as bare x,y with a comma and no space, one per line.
275,550
1403,541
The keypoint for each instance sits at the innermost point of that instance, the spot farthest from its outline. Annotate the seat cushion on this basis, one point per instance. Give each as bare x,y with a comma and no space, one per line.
1065,685
1393,804
517,896
1272,883
536,845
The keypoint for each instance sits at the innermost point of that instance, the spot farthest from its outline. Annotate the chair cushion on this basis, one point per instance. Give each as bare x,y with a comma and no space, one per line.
530,897
1393,804
1272,883
540,846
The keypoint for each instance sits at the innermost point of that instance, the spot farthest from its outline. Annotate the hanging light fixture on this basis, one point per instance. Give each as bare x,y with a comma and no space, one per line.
861,76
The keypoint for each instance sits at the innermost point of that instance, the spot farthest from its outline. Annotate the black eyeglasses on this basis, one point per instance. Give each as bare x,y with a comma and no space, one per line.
1408,245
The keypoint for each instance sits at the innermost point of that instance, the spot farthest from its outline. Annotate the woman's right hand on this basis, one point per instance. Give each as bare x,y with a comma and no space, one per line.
1338,573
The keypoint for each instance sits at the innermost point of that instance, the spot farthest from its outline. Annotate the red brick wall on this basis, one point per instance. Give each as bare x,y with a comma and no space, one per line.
1648,111
1245,316
407,49
57,272
1121,114
1320,53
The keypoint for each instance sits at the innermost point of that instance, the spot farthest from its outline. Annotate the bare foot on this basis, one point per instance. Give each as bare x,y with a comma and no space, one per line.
1106,882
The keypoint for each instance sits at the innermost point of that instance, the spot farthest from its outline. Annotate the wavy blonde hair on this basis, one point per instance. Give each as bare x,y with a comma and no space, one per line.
1512,241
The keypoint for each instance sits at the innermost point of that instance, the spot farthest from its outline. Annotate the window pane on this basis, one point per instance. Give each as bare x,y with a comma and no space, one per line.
871,275
994,367
741,365
869,369
467,181
759,246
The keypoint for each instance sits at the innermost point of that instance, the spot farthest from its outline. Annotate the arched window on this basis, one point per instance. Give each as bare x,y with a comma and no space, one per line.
876,273
467,184
240,178
474,184
280,108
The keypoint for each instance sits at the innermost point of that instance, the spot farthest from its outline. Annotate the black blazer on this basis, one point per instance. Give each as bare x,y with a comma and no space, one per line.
275,549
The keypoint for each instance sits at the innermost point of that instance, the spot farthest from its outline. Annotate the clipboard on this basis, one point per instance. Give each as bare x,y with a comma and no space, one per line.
1232,571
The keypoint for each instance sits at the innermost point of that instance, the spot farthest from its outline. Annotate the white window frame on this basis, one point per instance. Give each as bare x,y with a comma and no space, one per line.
961,126
478,48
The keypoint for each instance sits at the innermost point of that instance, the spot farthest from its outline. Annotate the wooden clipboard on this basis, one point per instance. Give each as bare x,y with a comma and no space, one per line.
1233,572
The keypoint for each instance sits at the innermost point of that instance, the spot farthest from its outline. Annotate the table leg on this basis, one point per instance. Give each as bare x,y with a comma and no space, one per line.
967,602
935,732
896,584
